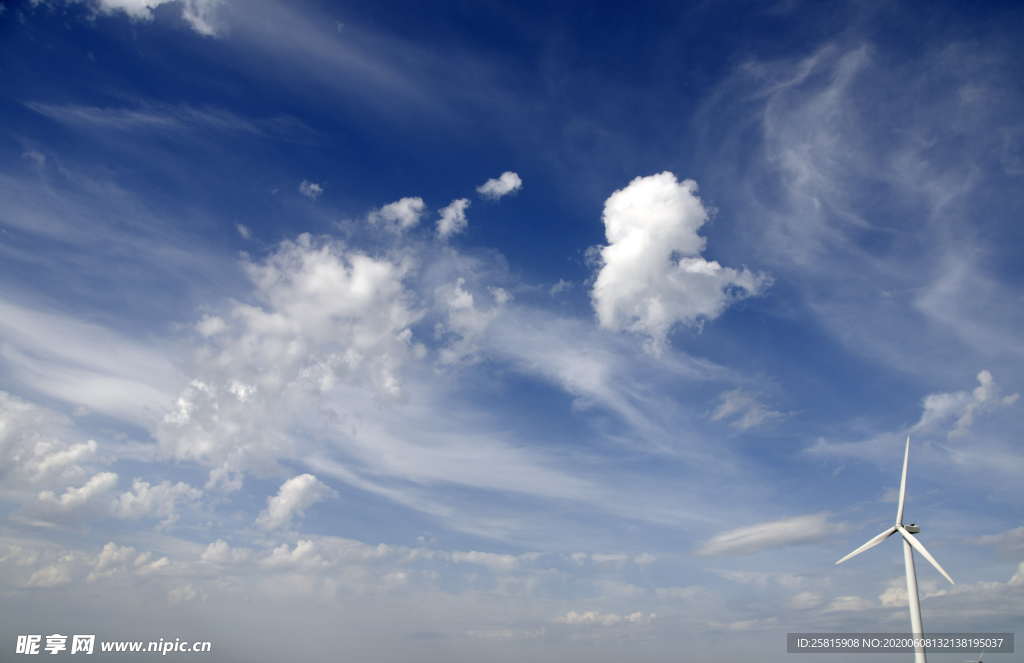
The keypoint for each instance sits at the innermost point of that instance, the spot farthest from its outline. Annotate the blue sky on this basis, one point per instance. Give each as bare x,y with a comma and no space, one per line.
506,330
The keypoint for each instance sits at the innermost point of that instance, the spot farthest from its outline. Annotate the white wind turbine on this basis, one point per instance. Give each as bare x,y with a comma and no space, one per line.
910,543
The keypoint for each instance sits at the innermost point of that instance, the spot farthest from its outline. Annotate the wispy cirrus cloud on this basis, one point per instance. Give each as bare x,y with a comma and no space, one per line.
85,364
822,158
771,534
169,118
743,411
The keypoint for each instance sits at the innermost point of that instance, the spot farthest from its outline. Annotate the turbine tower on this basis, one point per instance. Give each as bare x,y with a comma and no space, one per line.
910,544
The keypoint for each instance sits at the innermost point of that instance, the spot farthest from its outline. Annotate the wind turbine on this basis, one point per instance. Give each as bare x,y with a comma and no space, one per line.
910,544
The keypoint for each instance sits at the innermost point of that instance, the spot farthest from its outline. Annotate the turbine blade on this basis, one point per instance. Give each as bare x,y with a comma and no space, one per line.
919,547
903,484
870,544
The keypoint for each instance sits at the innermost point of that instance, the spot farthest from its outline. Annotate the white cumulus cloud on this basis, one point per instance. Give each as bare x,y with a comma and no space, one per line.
324,317
115,559
452,218
161,500
497,187
310,190
74,498
304,555
294,497
959,408
219,552
54,575
199,14
399,215
210,325
652,275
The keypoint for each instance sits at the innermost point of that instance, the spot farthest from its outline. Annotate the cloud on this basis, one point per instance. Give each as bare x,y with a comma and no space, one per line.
491,560
978,602
561,286
137,9
54,575
399,215
961,407
507,633
652,276
323,318
183,594
773,534
35,446
1017,578
160,500
951,414
849,604
330,573
199,14
243,231
495,188
763,579
75,498
219,552
83,363
679,593
56,459
305,554
115,559
278,382
895,593
592,618
320,366
805,600
806,180
179,120
741,625
293,498
1012,539
452,218
37,158
468,318
311,190
284,373
742,410
211,325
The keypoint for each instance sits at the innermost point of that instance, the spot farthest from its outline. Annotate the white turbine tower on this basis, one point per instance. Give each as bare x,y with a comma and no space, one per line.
910,544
